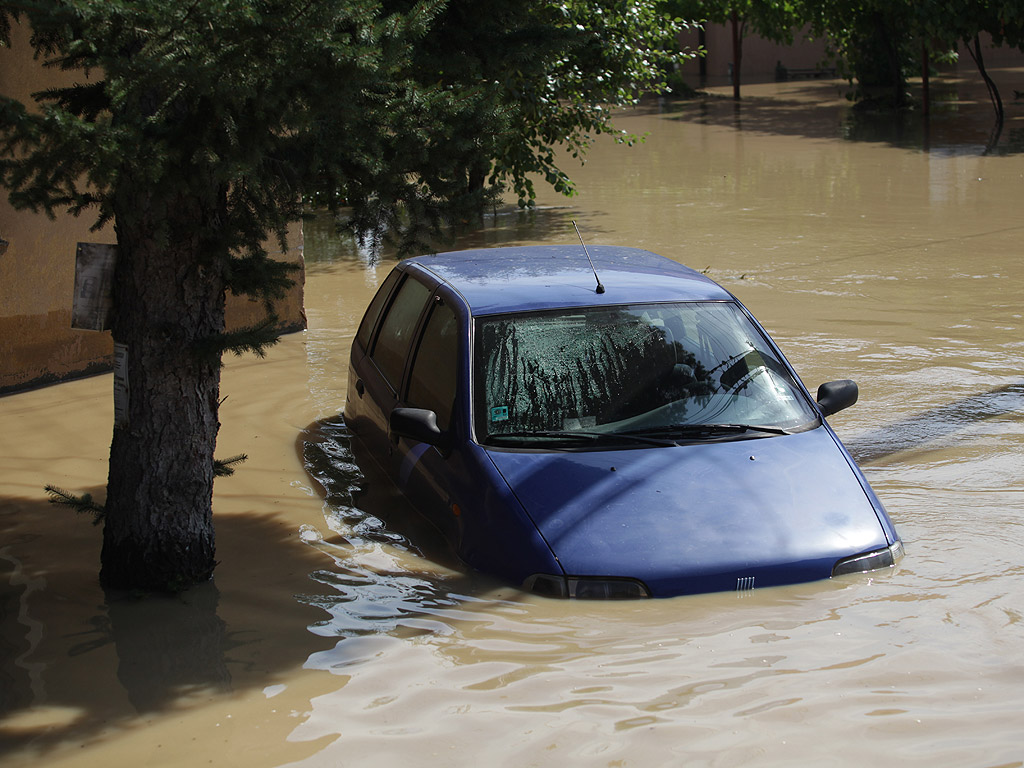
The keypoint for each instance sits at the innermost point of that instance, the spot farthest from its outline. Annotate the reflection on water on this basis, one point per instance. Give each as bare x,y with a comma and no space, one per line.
20,680
341,631
858,273
326,246
372,588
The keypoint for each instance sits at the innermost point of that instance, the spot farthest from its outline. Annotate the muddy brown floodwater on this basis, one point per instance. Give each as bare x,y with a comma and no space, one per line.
337,631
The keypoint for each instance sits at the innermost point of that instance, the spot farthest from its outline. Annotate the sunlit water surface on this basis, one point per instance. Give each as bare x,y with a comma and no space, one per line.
338,630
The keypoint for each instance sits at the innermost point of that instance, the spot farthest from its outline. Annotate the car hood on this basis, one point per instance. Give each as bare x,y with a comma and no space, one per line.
699,518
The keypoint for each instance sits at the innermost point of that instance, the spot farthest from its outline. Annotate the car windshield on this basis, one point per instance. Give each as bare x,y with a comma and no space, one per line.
631,375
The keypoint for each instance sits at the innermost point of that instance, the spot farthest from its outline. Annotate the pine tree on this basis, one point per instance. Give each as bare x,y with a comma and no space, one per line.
201,128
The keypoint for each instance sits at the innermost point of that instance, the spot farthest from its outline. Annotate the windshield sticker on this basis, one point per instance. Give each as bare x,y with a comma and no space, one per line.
583,422
499,413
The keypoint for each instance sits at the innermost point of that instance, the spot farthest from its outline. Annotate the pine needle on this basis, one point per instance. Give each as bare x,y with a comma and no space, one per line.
81,504
224,468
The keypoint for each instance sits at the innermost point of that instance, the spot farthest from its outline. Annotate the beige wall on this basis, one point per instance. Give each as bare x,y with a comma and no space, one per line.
37,270
760,56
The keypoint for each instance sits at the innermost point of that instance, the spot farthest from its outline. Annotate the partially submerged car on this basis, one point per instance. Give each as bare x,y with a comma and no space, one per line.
641,438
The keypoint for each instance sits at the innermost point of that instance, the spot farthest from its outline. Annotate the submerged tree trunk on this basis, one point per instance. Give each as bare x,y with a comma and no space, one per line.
993,91
926,99
737,53
168,294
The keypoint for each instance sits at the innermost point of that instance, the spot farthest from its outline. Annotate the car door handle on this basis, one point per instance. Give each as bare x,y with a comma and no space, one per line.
360,387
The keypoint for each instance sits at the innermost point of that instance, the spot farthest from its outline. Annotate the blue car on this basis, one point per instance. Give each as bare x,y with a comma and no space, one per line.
607,425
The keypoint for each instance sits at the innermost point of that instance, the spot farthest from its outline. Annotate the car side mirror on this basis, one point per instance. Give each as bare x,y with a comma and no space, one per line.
420,425
833,396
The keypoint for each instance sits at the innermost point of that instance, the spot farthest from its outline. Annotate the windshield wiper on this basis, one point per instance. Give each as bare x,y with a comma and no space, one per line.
705,430
525,435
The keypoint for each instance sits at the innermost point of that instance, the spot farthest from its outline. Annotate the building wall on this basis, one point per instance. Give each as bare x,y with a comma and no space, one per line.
760,56
37,269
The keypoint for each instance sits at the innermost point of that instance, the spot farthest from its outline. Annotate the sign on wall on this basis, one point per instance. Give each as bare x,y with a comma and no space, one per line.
94,279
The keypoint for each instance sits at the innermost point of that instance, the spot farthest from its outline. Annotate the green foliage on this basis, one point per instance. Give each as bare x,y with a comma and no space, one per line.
201,128
261,100
226,467
878,43
872,41
881,42
81,504
399,110
255,339
771,19
513,88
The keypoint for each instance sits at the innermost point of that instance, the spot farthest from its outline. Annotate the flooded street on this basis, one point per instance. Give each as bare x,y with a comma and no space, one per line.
339,632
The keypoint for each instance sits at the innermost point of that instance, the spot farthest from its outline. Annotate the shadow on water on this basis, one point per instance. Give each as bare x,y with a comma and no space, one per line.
935,424
75,661
959,124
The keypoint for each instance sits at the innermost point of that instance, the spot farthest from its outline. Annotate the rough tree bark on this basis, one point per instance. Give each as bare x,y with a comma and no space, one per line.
168,297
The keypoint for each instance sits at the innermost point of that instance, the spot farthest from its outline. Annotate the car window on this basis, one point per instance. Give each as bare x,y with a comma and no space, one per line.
433,376
396,330
373,311
619,369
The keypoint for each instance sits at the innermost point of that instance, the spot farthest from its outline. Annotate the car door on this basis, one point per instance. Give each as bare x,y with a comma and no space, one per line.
379,361
423,471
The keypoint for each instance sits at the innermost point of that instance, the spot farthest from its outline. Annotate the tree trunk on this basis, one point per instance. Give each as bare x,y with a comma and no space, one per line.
168,294
926,100
737,54
993,91
702,61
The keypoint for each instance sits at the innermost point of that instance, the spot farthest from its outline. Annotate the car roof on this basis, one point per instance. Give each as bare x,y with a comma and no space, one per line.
536,277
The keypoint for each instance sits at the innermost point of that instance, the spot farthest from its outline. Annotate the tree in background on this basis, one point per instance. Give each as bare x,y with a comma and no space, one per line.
775,21
545,76
199,128
875,42
953,26
882,42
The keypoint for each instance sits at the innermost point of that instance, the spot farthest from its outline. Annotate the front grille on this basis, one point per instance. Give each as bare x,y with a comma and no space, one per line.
744,584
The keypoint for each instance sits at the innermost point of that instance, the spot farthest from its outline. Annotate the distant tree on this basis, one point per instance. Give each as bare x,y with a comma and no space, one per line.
954,26
875,42
546,75
199,128
882,41
775,21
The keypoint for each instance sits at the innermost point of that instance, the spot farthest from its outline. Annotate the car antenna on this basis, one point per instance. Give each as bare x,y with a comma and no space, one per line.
600,288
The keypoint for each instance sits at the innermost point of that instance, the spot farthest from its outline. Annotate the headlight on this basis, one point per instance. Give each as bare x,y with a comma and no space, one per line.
585,587
869,561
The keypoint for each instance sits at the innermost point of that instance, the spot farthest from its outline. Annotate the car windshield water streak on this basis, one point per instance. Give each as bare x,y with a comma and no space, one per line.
676,371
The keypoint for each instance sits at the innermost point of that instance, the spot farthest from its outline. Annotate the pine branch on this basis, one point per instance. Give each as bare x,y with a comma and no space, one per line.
259,276
225,468
252,338
81,504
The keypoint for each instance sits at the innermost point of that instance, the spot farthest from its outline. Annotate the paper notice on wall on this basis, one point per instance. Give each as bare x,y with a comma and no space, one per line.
94,279
120,384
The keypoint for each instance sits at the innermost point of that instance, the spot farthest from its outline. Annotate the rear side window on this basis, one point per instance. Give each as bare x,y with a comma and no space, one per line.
433,376
397,328
373,311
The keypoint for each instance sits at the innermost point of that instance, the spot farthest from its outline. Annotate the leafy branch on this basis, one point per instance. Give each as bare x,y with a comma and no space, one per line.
81,504
225,467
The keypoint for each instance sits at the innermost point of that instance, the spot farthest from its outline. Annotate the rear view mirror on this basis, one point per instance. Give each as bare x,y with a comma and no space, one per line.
834,396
